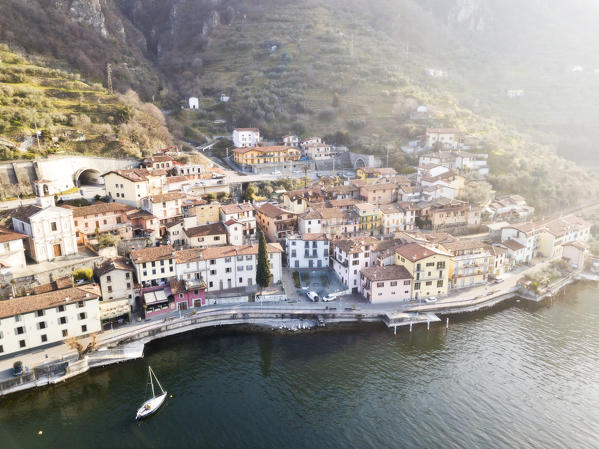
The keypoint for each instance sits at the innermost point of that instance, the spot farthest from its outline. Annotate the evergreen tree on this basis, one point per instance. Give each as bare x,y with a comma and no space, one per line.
263,275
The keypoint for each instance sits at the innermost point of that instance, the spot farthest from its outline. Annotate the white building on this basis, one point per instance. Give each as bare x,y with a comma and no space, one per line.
34,321
244,213
349,256
380,284
165,206
291,140
51,230
307,251
194,103
226,267
246,137
446,137
130,186
154,265
12,251
116,277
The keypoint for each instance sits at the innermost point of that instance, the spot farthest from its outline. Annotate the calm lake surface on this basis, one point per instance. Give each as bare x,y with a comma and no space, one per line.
523,376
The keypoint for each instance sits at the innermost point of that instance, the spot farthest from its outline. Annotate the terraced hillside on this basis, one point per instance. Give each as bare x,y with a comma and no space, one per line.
70,114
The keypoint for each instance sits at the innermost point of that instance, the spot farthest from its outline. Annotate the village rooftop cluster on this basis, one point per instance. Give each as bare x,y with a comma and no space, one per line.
170,236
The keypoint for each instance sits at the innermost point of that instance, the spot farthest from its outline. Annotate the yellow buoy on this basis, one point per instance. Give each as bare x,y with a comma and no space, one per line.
40,432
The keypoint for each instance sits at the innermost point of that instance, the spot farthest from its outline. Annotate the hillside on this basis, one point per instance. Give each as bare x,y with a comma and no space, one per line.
71,114
351,70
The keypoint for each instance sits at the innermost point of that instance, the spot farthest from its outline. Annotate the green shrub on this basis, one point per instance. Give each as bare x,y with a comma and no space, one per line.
83,274
106,241
296,279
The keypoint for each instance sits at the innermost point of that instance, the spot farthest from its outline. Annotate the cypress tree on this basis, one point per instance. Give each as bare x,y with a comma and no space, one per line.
263,275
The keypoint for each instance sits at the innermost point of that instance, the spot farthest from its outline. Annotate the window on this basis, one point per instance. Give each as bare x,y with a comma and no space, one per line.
380,284
239,258
65,333
416,285
44,338
128,275
82,315
439,283
84,328
440,265
393,283
227,259
61,308
240,268
406,282
41,325
213,272
228,270
22,343
355,262
80,304
108,279
19,330
1,349
39,313
62,320
17,318
429,283
430,264
212,262
53,226
109,289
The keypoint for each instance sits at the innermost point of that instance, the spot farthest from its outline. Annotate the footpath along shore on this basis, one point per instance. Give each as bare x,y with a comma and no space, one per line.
61,362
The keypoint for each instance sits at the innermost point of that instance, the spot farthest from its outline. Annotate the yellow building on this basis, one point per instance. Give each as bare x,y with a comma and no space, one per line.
428,266
469,263
265,155
372,175
369,217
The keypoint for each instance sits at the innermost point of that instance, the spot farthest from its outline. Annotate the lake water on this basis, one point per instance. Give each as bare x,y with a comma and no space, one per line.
522,376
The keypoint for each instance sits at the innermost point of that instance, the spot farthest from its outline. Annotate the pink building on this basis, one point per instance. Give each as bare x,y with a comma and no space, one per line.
101,218
391,283
177,295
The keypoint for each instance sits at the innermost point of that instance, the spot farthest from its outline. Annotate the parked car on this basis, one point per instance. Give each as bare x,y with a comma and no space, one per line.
312,296
499,280
328,297
430,300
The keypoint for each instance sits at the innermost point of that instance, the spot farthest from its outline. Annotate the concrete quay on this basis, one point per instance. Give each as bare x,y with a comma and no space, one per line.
59,363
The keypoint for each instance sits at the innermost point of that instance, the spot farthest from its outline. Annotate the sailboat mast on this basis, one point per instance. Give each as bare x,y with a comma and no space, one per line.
158,382
151,382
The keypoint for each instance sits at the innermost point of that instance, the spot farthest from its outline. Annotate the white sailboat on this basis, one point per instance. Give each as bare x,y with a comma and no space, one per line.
155,402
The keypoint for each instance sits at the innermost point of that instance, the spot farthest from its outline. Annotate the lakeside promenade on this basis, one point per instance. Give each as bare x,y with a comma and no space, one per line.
127,342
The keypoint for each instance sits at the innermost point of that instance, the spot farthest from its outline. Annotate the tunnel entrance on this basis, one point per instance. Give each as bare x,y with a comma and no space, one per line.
88,177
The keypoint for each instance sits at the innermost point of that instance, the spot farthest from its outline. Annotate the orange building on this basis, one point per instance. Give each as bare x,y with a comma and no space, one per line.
265,155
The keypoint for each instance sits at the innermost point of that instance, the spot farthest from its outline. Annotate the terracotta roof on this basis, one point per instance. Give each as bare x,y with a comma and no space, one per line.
25,304
161,158
117,263
460,245
6,235
139,213
151,254
414,251
354,245
132,174
272,211
24,213
232,221
58,284
363,207
513,245
380,186
98,208
277,148
172,196
345,202
174,179
218,252
386,273
205,230
314,236
229,209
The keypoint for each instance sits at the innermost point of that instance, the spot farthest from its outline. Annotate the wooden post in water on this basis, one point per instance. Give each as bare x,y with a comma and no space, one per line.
428,325
447,323
394,330
410,326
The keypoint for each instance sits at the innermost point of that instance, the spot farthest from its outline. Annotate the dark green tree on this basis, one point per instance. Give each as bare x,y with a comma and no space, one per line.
263,275
249,193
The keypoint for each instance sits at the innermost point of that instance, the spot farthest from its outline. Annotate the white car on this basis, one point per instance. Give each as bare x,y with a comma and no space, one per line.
430,300
328,297
312,296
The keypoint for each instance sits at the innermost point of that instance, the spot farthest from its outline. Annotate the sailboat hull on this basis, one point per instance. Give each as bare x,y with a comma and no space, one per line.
151,406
